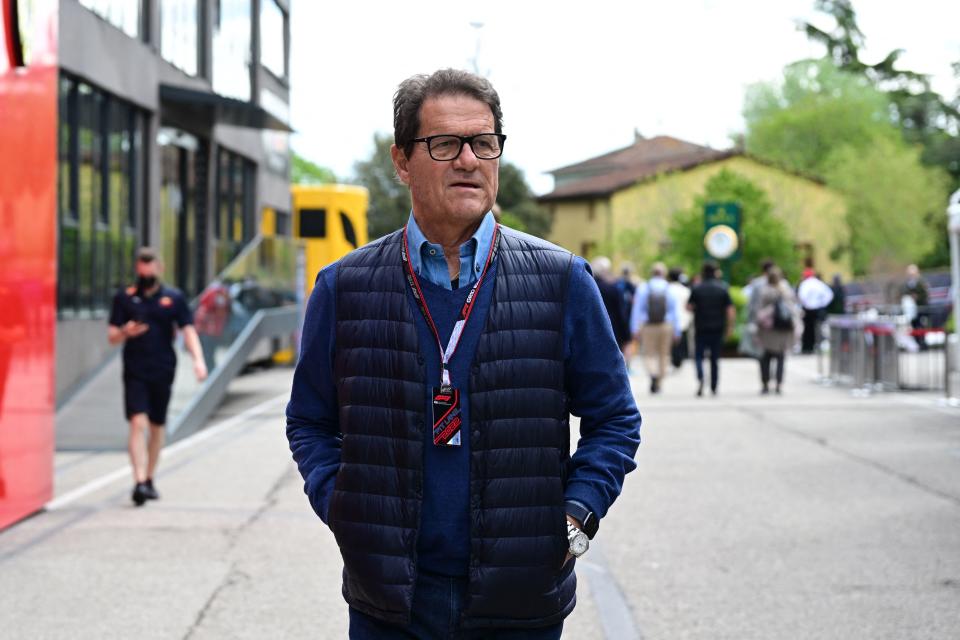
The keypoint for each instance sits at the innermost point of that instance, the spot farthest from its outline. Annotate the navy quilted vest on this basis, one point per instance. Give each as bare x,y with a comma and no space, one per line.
520,438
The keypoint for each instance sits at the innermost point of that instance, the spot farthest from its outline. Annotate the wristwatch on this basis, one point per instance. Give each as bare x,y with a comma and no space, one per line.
589,522
579,542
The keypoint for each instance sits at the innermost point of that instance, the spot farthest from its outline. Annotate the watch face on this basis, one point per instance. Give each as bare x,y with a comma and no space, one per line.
579,544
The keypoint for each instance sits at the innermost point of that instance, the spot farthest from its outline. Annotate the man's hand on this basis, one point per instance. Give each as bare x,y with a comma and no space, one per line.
200,370
577,524
134,329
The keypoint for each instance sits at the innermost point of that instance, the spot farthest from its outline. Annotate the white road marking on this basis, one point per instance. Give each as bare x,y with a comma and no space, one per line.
168,452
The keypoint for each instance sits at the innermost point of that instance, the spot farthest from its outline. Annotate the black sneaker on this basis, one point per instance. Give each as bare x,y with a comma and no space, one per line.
149,491
700,389
139,494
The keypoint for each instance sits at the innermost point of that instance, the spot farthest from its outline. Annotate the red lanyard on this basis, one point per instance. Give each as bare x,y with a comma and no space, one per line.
447,354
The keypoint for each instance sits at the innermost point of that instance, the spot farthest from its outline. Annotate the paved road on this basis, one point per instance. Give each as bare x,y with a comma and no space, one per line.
812,515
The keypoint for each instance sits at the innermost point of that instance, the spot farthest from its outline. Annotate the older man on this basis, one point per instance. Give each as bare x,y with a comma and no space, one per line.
655,322
430,408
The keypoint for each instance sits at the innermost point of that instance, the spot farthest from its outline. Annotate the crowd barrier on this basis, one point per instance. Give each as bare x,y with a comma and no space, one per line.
872,352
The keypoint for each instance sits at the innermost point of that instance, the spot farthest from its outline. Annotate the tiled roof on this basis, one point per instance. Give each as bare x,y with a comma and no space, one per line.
619,169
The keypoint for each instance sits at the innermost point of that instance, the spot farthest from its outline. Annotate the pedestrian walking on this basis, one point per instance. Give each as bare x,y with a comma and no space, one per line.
144,318
775,321
748,339
914,298
680,292
838,305
713,318
429,409
814,296
655,323
627,287
612,299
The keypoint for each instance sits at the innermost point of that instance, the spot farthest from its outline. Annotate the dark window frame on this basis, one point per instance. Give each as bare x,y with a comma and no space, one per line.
95,246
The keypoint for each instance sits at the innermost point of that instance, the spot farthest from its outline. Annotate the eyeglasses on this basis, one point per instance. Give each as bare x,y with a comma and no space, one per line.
447,147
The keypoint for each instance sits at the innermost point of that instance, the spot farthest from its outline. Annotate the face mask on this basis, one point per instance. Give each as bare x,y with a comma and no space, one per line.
145,283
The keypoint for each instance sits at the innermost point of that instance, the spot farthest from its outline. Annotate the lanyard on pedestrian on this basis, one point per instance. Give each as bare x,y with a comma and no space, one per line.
446,398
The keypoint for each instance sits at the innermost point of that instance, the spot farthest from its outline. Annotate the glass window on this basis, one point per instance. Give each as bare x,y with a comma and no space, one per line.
282,223
272,41
98,162
234,222
232,26
181,226
179,28
123,14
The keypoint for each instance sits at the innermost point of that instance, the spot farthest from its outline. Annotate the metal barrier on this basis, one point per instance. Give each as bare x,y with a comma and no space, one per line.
952,366
870,353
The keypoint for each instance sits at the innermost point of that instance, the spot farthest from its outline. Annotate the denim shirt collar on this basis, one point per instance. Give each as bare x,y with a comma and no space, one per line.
428,261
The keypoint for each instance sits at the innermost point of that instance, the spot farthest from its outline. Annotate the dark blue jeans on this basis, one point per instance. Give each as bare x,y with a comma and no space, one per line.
437,605
709,341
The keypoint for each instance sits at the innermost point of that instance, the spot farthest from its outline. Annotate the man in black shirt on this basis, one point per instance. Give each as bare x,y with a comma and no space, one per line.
713,318
143,318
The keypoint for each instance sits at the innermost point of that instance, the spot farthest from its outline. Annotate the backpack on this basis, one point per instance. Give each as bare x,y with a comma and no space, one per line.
782,316
656,307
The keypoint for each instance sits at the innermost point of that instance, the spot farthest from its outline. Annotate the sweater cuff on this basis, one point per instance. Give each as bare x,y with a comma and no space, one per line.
585,495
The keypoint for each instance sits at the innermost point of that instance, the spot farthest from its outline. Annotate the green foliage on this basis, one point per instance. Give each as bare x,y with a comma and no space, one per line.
921,113
816,108
890,196
763,234
512,221
629,244
740,305
389,198
302,171
518,204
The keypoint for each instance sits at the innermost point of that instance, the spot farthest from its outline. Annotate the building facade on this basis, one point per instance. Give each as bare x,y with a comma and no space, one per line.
173,132
626,199
124,123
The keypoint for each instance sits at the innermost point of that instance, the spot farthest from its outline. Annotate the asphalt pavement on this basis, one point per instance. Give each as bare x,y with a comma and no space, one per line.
815,514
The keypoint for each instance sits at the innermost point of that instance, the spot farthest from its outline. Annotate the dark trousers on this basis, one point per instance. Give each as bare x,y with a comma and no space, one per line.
711,341
765,367
811,330
437,604
680,350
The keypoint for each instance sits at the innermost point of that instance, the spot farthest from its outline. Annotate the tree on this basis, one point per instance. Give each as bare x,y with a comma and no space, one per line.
518,205
891,200
832,124
764,235
816,108
303,171
922,114
389,198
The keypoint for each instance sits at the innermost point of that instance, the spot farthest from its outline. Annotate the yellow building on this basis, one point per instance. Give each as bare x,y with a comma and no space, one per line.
621,202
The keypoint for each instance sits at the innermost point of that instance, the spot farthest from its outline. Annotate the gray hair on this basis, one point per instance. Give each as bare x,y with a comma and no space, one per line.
415,90
601,266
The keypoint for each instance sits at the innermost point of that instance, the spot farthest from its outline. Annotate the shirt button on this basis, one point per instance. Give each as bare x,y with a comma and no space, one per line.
477,267
433,252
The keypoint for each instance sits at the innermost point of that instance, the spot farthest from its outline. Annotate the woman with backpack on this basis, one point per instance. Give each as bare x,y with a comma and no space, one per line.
777,317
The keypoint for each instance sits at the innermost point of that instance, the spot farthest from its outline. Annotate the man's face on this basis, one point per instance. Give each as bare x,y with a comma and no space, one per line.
147,269
460,191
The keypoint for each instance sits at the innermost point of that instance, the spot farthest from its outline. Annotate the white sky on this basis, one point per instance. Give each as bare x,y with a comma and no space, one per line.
576,78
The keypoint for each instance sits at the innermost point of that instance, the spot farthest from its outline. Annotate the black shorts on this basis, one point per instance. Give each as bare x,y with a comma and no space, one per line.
151,397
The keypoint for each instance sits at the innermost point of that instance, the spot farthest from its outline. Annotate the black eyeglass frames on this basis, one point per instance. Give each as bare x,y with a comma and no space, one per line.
447,147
